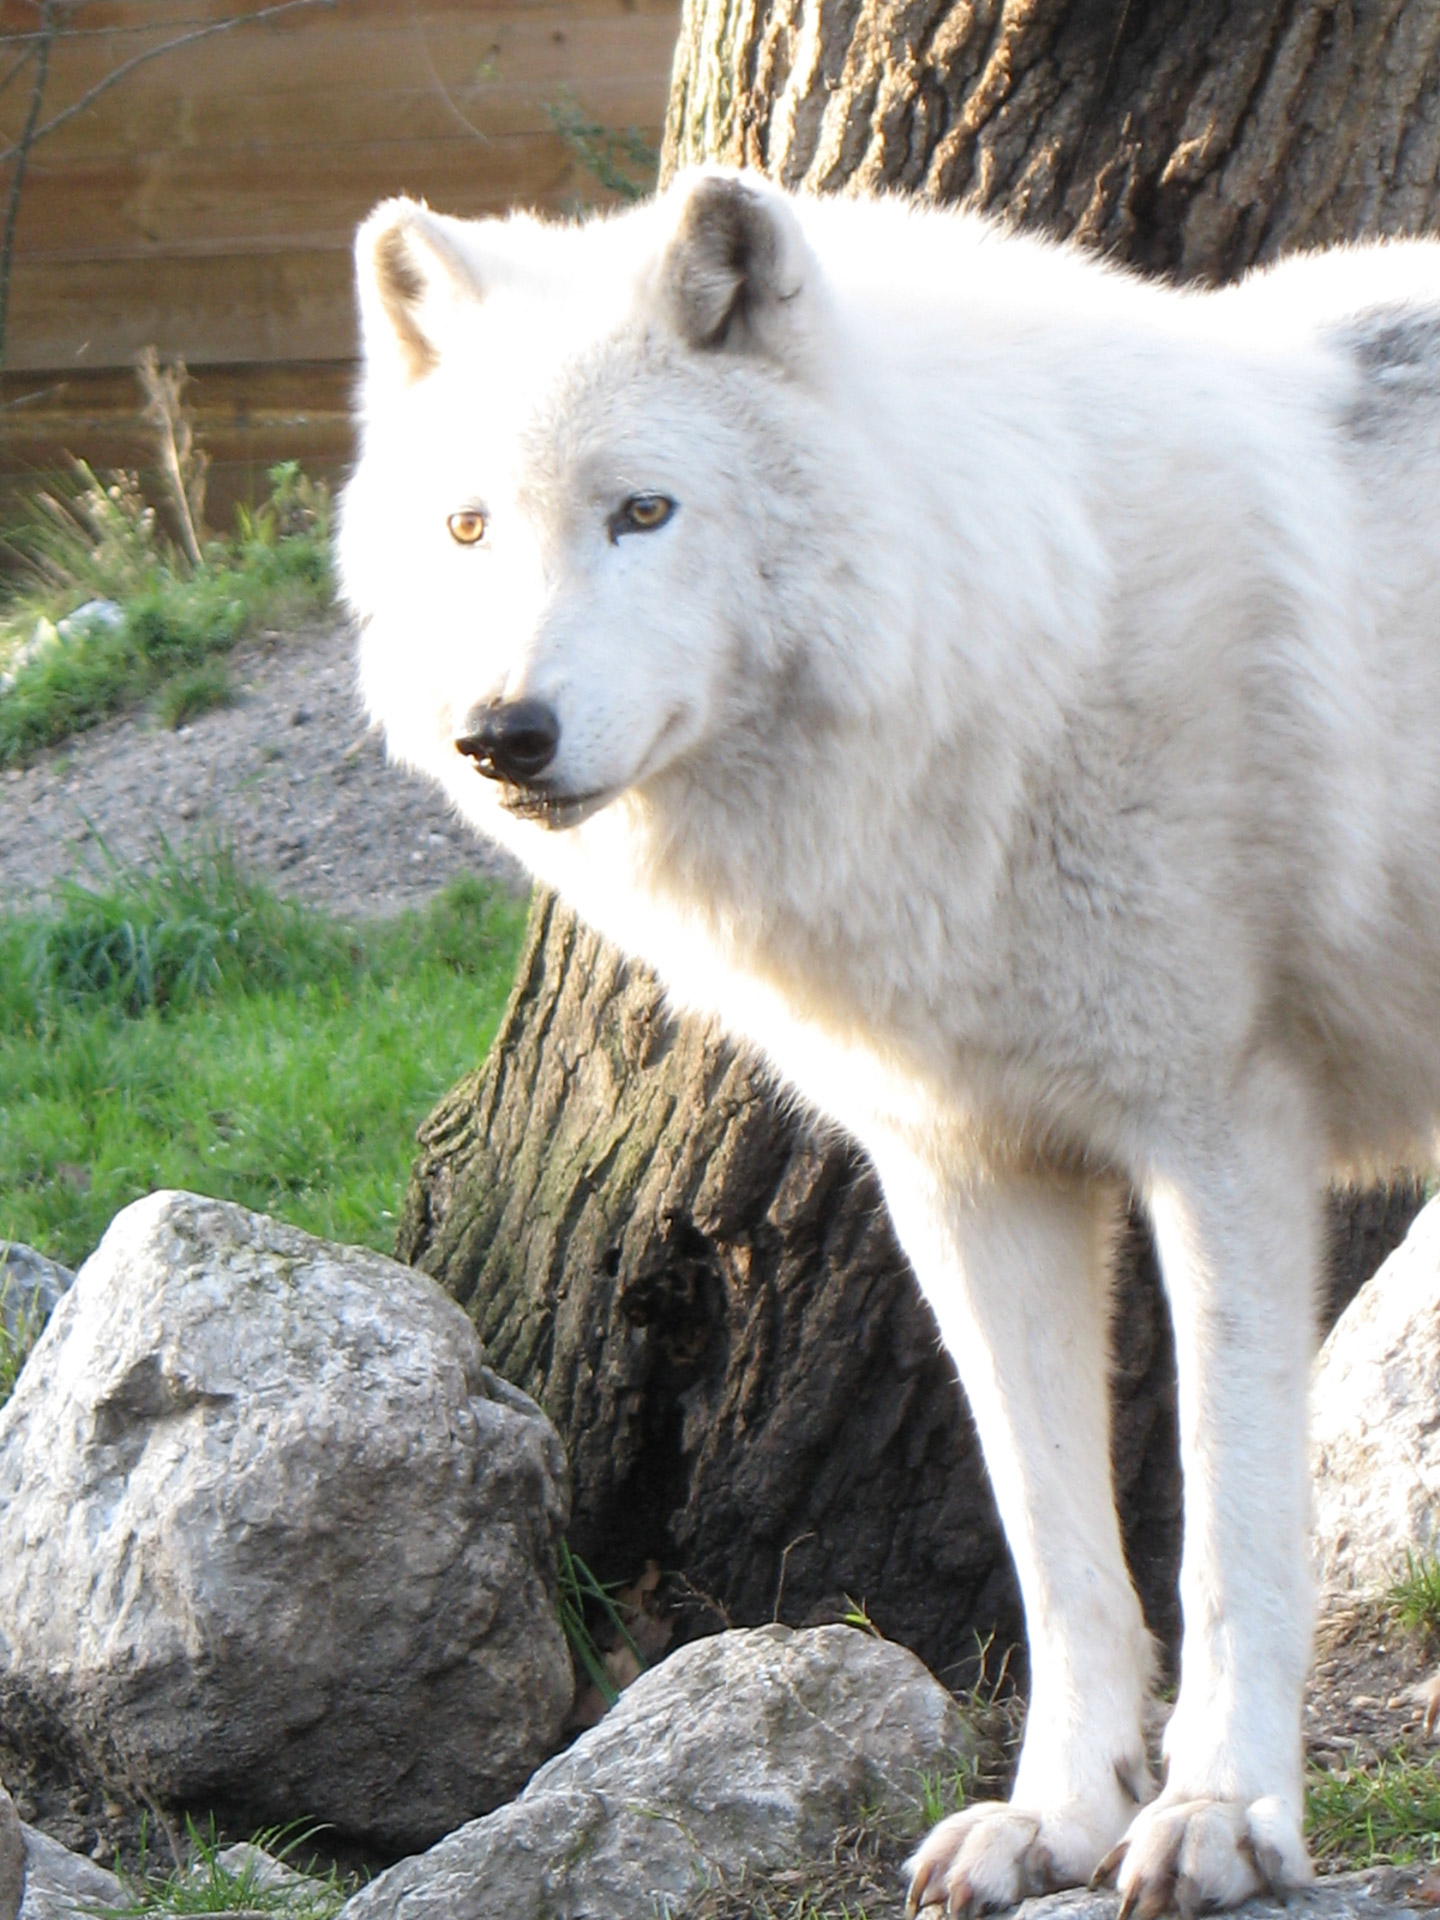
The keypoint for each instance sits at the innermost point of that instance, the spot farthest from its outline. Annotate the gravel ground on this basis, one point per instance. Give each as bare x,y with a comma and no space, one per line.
290,776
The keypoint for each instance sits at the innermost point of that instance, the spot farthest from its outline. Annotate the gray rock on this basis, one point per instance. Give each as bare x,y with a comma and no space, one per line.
272,1537
30,1288
747,1750
1375,1421
270,1886
58,1883
1372,1895
265,1871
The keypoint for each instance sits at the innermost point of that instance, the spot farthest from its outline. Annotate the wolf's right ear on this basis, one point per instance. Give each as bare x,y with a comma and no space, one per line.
737,272
412,280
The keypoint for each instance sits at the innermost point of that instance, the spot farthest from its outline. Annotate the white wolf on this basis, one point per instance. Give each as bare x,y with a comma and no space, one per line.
1010,694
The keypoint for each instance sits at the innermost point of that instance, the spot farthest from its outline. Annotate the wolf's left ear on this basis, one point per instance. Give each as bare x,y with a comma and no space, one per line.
737,268
412,278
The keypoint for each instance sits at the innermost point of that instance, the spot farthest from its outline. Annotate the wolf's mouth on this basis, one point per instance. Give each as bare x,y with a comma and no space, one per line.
553,811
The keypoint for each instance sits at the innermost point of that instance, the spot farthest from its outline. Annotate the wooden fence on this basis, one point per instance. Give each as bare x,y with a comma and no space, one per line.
205,202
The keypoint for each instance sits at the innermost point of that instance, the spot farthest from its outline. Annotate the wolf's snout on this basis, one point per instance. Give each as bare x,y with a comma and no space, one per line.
512,740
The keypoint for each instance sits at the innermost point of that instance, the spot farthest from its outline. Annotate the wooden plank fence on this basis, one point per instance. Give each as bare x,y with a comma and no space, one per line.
206,202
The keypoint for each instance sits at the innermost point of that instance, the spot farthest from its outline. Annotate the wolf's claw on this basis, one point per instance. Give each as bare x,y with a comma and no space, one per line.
1104,1874
1430,1694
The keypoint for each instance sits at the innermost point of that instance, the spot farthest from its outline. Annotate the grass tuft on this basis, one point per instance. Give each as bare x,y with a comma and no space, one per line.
1415,1600
582,1597
188,695
1387,1814
209,1882
187,928
176,616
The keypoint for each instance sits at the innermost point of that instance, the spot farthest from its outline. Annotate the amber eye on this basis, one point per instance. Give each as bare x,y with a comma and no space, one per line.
642,513
467,528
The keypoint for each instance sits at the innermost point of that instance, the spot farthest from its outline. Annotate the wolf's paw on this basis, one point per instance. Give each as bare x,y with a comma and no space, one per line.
1193,1856
994,1855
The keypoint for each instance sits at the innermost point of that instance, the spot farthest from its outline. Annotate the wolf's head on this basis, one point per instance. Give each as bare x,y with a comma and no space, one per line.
605,514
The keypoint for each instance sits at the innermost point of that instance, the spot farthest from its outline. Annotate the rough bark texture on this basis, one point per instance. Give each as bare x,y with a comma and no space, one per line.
1185,138
699,1287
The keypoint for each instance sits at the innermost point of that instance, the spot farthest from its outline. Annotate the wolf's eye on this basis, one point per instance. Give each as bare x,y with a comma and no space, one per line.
467,528
641,513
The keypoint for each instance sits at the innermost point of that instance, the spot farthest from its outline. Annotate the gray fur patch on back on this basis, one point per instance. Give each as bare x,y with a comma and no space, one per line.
1395,351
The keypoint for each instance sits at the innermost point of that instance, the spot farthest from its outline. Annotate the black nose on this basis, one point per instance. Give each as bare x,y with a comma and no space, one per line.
513,740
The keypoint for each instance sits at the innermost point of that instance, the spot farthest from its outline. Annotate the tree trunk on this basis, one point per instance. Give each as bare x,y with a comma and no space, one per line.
1189,137
697,1282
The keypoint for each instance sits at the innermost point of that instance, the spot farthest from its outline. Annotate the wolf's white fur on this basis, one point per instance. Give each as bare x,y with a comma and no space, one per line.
1025,729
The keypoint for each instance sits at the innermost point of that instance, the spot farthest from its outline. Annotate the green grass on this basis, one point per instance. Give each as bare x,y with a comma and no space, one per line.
102,542
15,1345
584,1604
1415,1600
205,1883
188,1029
1384,1815
188,695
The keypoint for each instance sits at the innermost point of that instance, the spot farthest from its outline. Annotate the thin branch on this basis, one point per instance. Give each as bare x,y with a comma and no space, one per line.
117,74
20,154
117,30
19,67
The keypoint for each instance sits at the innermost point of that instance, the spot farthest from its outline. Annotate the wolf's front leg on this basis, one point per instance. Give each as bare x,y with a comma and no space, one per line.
1238,1243
1017,1271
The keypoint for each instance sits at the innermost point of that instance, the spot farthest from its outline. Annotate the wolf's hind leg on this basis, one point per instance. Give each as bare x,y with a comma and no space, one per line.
1017,1272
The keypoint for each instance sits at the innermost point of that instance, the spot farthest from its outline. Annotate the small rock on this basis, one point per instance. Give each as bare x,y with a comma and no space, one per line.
30,1288
745,1751
264,1869
12,1858
274,1539
103,614
59,1884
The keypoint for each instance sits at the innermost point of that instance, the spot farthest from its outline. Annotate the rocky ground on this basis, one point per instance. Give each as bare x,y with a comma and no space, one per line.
290,775
1367,1691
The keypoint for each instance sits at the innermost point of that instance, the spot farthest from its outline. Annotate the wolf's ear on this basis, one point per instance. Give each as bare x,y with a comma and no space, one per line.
737,267
412,279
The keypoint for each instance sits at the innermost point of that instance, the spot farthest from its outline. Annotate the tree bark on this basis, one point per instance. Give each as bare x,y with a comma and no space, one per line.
1183,138
698,1282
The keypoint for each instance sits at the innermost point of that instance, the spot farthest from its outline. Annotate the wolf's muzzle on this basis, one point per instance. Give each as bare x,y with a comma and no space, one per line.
511,740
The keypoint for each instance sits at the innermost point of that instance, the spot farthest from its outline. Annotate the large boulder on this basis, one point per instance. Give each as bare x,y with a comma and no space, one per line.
742,1752
1375,1421
273,1538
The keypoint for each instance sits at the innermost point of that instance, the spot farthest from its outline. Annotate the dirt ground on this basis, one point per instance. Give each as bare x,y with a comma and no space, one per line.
290,776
